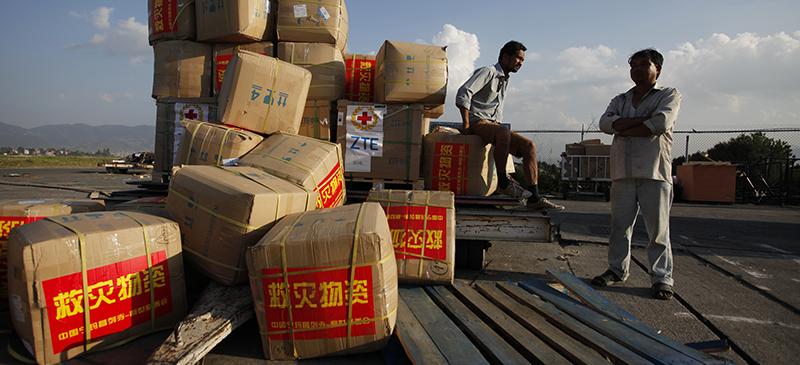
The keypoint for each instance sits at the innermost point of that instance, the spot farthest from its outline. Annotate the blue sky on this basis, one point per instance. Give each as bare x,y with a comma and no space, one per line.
735,61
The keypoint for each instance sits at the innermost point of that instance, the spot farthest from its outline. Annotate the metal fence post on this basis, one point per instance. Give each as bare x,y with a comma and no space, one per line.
686,153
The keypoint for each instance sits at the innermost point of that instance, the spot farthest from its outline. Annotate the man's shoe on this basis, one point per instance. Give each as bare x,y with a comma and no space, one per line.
544,204
607,278
515,191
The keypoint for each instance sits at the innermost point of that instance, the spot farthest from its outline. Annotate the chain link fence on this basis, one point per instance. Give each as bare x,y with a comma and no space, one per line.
769,179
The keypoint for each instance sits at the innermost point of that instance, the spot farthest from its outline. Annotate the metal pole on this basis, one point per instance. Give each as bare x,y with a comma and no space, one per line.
686,154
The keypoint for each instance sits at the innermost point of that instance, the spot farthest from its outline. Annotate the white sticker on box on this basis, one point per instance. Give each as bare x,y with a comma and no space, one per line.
365,128
324,13
186,111
300,11
357,161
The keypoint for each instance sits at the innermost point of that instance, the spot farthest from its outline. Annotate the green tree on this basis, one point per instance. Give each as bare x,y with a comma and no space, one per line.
750,148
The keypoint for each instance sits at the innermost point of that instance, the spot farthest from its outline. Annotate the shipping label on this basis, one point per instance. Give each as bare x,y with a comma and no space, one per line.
364,137
8,223
119,298
410,232
450,167
331,189
164,13
319,303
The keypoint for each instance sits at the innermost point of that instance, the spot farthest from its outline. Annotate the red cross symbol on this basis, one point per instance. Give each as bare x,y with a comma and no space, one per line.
190,114
364,118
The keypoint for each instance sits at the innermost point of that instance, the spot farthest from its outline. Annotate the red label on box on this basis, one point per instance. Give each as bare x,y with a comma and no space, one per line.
164,13
330,190
319,301
119,298
8,223
410,232
220,65
359,82
450,167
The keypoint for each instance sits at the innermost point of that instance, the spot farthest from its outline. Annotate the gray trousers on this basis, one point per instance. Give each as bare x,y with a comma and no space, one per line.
654,199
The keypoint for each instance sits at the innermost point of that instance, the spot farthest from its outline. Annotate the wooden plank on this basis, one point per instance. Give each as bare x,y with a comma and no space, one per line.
503,225
219,311
496,349
532,347
645,346
593,299
416,343
452,343
569,347
619,354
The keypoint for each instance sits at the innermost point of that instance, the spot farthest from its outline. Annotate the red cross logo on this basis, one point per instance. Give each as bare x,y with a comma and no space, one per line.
190,114
364,118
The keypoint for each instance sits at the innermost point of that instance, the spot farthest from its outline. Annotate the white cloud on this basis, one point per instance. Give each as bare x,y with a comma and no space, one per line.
463,49
100,17
108,98
113,97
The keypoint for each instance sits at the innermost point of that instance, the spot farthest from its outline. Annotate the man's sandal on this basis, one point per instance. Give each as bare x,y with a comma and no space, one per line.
662,291
607,278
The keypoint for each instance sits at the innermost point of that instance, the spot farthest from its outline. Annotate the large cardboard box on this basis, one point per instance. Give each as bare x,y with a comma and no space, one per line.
311,163
316,121
325,63
223,53
325,283
214,144
263,94
182,69
411,73
224,210
232,21
708,182
170,20
153,205
381,141
170,131
91,280
322,21
459,163
423,225
359,81
14,213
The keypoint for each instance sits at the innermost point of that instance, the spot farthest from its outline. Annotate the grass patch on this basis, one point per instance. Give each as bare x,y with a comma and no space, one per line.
51,161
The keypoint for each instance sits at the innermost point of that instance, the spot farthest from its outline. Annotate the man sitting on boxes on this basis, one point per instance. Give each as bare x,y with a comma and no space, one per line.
480,101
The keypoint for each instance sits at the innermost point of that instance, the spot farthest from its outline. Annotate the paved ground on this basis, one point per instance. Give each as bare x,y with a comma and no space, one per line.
736,270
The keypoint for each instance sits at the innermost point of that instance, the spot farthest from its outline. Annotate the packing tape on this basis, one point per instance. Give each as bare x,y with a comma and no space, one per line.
356,239
149,269
284,272
425,230
297,166
272,87
212,213
312,271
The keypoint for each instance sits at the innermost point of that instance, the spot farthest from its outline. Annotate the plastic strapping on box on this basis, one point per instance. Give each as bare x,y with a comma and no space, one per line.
424,230
178,15
222,145
211,212
317,131
149,269
292,164
284,272
272,88
356,239
191,143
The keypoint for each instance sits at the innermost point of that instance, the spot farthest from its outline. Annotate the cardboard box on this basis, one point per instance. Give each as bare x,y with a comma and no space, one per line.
381,141
182,69
223,53
359,81
129,264
311,163
214,144
434,111
170,131
224,210
598,149
708,182
411,73
423,225
263,94
325,63
232,21
459,163
170,20
322,21
574,149
302,271
316,121
153,205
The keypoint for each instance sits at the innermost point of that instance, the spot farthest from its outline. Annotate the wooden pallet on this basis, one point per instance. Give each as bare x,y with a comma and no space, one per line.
504,323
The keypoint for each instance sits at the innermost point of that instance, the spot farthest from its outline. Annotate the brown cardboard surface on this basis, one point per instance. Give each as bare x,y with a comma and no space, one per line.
708,182
263,94
359,84
322,21
223,53
233,21
153,205
459,163
224,210
411,73
311,163
105,253
324,61
182,69
169,131
423,225
170,20
214,144
403,129
301,270
317,119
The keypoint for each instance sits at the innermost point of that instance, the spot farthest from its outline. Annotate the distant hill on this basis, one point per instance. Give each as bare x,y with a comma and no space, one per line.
82,137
